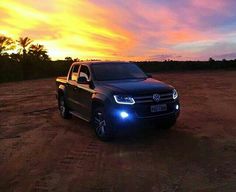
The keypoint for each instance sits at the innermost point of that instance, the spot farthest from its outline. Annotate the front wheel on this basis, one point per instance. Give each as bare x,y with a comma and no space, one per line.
102,125
64,110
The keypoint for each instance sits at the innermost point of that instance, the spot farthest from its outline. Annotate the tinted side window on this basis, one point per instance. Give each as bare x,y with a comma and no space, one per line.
84,72
74,73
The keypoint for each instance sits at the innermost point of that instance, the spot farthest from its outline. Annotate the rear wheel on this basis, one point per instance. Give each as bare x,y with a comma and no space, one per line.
64,110
102,125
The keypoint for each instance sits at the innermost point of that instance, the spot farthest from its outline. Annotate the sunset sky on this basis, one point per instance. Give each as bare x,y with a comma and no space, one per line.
125,29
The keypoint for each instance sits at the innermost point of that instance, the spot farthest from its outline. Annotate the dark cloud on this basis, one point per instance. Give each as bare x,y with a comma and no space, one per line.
226,56
162,57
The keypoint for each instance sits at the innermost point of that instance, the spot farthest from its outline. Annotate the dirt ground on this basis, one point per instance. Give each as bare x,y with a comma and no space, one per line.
39,151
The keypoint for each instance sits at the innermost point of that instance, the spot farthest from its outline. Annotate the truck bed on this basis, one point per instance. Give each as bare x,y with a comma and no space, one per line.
61,79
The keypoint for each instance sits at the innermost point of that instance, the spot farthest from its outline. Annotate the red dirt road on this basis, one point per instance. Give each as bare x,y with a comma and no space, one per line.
39,151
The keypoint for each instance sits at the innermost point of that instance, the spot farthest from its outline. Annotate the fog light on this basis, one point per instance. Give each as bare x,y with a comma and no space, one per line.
124,115
177,107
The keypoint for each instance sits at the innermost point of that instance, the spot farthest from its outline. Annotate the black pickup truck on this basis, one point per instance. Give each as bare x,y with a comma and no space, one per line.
112,95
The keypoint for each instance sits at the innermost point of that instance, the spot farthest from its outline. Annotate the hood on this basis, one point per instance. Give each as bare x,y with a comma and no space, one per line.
136,87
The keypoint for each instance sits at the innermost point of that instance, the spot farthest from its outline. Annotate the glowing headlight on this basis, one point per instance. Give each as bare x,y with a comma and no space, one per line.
175,94
177,107
124,115
124,100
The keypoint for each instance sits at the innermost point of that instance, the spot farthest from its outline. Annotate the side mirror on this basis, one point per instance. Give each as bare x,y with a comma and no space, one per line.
82,80
149,75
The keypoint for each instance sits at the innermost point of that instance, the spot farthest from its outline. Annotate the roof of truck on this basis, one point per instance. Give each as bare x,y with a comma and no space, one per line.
98,62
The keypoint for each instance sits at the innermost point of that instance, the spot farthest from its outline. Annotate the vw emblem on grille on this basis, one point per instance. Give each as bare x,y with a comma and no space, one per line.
156,97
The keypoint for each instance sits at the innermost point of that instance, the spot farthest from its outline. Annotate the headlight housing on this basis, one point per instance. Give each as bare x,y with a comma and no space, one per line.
126,100
175,94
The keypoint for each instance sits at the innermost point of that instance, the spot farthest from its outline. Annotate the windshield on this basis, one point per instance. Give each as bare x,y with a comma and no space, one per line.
117,71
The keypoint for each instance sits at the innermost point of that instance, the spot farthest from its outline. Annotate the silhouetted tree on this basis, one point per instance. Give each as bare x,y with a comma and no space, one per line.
24,42
39,52
6,44
211,59
15,57
68,59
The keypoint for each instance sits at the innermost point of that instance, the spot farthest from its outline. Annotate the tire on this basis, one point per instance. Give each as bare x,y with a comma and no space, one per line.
102,125
168,124
64,110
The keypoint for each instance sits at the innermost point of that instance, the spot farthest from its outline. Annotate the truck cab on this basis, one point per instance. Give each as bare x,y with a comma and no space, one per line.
112,95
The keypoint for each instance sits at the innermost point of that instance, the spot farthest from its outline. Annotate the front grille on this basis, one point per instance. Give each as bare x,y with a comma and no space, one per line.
143,104
164,97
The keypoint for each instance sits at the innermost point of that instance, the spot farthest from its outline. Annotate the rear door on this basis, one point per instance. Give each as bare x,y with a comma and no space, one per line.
72,87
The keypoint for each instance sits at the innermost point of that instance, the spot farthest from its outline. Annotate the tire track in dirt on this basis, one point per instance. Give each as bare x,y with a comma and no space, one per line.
78,158
73,161
37,112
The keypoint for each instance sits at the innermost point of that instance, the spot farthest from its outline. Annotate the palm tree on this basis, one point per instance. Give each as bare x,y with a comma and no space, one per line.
39,52
24,42
6,44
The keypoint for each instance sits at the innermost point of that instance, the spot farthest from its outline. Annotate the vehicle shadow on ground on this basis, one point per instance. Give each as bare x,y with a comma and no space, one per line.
167,159
134,135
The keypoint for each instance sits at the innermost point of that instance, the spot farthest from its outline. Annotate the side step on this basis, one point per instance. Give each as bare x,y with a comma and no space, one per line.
76,114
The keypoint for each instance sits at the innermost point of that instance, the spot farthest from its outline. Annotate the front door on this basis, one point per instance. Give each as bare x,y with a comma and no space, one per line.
83,94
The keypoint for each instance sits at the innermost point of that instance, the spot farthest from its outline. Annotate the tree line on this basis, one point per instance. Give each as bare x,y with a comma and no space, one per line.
21,49
22,59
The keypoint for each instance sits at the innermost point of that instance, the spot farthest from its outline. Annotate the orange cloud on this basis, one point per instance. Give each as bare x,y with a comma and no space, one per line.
80,29
183,35
127,30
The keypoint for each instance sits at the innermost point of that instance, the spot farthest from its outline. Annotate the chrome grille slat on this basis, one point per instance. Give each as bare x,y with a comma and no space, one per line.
149,98
166,94
143,97
145,101
165,99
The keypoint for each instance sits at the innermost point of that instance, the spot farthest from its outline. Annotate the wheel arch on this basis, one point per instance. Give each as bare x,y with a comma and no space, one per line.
61,90
96,102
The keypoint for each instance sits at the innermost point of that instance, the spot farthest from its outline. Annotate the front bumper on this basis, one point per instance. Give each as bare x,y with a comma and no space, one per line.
138,114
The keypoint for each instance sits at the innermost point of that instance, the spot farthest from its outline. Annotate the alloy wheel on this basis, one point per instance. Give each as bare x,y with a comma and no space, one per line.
100,124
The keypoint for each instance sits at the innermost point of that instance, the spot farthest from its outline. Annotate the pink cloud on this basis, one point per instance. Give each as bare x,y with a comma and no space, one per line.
122,29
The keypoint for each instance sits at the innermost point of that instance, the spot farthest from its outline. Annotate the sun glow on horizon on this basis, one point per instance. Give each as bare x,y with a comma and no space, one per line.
123,30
